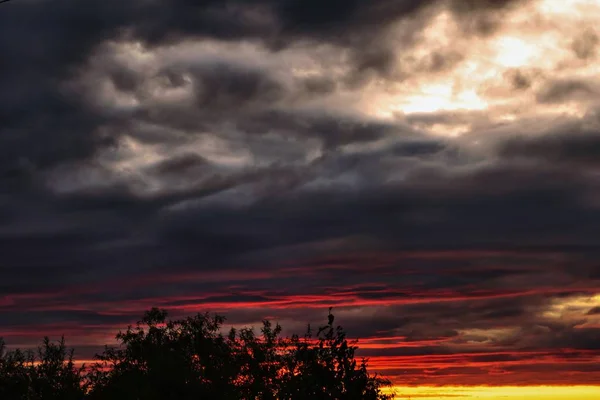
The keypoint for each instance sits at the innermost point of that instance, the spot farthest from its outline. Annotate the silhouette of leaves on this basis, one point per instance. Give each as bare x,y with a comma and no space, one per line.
191,358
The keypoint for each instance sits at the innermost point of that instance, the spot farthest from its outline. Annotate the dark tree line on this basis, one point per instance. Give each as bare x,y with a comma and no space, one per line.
161,359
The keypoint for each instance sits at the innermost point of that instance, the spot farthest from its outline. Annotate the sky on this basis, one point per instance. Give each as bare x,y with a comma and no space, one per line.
427,168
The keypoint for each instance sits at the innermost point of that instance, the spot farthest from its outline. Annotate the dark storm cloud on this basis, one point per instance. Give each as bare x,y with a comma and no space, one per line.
429,209
181,164
44,42
594,311
574,148
579,339
362,26
50,135
251,100
308,219
197,234
319,86
223,87
481,18
347,21
41,42
333,129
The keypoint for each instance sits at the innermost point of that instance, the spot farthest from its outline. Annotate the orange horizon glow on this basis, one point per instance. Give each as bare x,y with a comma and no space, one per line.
578,392
483,391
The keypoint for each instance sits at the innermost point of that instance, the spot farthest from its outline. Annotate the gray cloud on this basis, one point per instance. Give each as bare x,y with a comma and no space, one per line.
564,90
572,148
585,44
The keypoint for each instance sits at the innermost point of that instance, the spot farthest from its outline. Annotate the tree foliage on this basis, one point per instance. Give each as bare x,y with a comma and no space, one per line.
191,358
47,374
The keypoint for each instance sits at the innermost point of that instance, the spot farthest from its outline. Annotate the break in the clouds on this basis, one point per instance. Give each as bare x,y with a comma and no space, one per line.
428,168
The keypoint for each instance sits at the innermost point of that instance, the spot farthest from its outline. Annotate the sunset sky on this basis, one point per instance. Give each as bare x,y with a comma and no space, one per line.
430,169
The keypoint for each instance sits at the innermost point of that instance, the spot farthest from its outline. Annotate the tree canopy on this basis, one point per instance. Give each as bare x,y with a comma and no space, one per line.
191,358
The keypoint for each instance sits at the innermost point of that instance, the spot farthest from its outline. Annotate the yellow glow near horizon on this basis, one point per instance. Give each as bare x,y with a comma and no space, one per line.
498,392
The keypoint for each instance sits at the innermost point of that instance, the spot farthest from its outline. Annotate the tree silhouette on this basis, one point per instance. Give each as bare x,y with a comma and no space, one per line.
161,359
328,368
48,374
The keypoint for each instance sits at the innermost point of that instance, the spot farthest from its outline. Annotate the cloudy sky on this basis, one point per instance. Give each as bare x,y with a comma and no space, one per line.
428,168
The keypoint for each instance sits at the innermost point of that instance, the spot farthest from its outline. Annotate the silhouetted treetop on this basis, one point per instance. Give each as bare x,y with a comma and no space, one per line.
191,358
47,374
